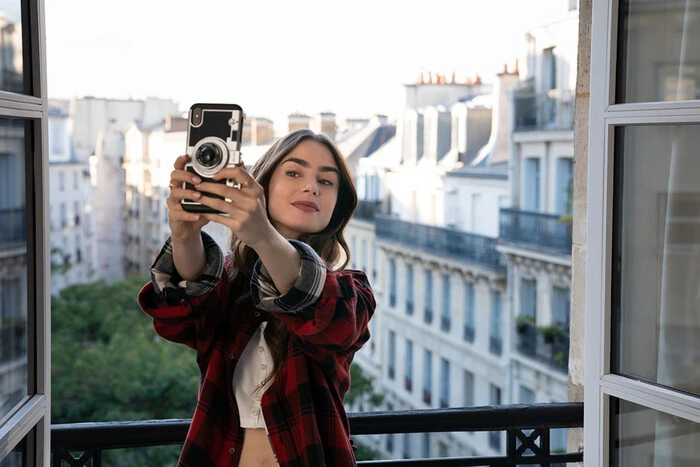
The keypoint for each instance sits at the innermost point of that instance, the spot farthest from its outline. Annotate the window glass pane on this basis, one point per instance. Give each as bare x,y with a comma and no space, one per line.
17,457
657,255
13,266
11,59
643,436
659,51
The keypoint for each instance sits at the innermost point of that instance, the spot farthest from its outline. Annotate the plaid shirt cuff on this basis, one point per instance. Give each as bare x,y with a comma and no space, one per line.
168,283
305,292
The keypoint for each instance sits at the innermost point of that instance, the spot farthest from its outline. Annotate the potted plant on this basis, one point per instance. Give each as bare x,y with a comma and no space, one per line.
522,322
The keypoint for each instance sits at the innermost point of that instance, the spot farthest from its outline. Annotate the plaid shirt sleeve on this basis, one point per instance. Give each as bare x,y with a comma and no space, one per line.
183,311
327,308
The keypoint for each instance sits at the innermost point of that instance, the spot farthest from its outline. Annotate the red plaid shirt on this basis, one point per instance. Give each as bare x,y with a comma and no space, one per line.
303,409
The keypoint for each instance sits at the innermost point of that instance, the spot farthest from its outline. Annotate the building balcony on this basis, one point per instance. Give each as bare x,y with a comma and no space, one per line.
367,210
526,426
553,110
13,231
462,246
545,344
534,230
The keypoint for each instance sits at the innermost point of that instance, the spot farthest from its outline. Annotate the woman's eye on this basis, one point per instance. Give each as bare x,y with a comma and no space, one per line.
325,182
292,173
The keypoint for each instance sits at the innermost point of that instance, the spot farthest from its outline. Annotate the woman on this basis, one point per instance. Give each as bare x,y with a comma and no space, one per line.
275,327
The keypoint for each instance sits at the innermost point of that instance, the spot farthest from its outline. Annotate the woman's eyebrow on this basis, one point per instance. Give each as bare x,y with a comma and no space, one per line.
303,163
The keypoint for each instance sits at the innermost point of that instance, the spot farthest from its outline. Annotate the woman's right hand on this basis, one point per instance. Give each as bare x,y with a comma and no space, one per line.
183,225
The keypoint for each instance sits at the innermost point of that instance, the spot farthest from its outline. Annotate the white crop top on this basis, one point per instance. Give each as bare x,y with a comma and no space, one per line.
254,366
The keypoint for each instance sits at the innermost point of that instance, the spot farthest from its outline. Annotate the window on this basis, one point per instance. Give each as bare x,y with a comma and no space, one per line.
477,212
61,181
407,445
375,261
531,198
408,383
495,399
469,312
496,336
392,354
364,254
642,397
392,282
528,298
426,445
561,304
527,396
444,383
468,388
427,376
353,252
428,296
409,289
24,281
76,174
565,187
445,321
389,436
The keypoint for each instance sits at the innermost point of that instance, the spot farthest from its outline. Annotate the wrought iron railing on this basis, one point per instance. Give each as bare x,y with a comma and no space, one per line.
13,230
366,210
463,246
543,231
527,429
552,350
553,110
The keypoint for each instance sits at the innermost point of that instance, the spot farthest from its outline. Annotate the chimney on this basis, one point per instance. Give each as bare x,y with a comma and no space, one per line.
500,118
324,122
261,131
452,81
297,121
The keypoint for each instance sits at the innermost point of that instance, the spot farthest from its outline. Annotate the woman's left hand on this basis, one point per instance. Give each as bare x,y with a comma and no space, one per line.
246,214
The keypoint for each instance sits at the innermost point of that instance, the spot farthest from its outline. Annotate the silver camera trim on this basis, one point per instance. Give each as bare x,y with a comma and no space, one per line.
209,172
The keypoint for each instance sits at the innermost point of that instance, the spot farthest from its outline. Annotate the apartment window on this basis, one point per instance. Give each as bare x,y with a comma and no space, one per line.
495,399
364,254
478,213
446,305
468,388
407,445
78,250
527,396
531,198
444,383
392,282
408,383
76,209
75,179
496,335
375,260
561,305
389,437
426,445
469,312
61,181
528,298
392,354
427,376
564,185
409,289
353,252
428,296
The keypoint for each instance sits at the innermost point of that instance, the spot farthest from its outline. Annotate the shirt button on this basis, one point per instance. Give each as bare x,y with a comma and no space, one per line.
263,366
260,349
231,356
257,314
232,450
255,411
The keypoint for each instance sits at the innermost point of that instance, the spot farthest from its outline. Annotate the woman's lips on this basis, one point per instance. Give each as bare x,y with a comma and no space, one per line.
305,206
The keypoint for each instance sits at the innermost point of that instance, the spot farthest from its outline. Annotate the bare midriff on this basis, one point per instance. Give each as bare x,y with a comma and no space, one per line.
257,451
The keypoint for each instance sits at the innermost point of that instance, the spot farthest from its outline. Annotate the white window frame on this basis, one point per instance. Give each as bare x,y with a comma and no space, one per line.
601,385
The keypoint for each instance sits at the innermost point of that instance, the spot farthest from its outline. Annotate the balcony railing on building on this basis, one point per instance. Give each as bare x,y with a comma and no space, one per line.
553,110
366,210
533,229
441,241
13,231
546,344
527,430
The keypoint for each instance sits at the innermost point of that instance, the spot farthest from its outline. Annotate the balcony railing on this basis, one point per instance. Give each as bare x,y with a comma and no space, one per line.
463,246
549,348
13,230
549,111
366,210
534,229
527,429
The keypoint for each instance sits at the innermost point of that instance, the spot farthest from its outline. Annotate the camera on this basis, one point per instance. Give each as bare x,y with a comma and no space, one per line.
214,133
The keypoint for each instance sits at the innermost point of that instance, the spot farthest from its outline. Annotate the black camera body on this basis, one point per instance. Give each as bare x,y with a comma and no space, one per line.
214,135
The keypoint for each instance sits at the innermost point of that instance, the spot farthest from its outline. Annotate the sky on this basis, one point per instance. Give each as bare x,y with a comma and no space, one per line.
275,57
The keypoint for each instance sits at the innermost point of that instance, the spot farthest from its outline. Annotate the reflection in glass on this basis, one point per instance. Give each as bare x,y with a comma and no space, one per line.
659,50
642,436
656,310
13,266
11,59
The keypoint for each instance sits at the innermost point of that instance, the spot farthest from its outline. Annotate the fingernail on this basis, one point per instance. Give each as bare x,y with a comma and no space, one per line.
196,195
196,179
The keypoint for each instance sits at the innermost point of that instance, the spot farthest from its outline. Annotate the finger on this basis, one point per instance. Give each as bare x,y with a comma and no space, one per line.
180,215
226,191
180,162
178,177
239,174
179,194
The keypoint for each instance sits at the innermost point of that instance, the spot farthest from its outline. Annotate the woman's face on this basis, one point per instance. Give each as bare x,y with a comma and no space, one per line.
303,190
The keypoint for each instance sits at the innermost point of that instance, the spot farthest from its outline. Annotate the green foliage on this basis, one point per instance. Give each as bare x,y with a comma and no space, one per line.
362,388
108,364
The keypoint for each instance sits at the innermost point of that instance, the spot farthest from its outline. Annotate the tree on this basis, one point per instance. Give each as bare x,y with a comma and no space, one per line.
362,393
108,364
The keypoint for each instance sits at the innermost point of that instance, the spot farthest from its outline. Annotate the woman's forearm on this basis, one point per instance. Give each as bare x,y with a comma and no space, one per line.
281,260
189,257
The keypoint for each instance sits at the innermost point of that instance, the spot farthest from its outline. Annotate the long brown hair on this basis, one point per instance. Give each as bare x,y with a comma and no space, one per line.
328,243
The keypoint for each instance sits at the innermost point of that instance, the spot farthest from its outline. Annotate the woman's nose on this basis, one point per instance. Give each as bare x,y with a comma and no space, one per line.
311,187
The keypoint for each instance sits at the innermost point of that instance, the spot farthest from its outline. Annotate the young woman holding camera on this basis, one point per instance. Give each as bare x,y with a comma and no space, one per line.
275,326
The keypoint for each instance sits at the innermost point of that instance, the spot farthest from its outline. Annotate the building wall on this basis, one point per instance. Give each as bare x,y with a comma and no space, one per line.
466,213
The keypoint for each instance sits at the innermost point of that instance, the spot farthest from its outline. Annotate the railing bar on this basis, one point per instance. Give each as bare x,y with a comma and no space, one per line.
473,461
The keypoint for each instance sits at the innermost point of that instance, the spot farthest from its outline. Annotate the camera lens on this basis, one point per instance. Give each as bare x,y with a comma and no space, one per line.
208,155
